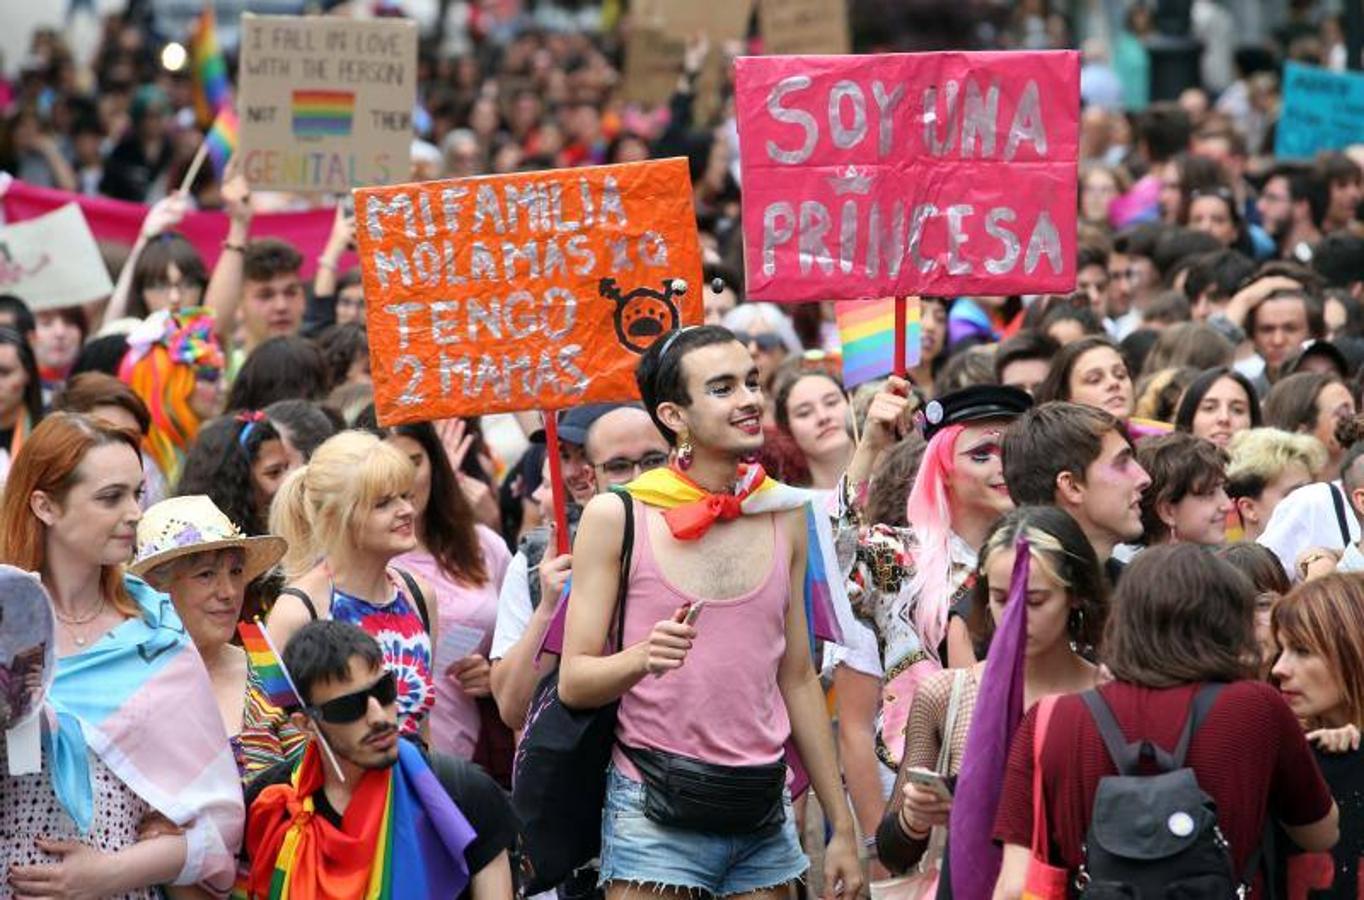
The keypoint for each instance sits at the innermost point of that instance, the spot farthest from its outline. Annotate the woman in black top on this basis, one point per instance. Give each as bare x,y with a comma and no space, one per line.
1320,671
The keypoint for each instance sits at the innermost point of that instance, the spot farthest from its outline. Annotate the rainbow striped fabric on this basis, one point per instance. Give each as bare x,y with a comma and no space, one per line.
867,331
323,113
221,139
212,90
402,836
274,680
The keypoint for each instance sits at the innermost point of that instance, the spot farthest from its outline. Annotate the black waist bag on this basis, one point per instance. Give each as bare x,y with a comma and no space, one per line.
680,792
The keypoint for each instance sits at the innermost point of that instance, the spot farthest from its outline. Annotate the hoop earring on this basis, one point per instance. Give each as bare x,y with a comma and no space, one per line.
684,451
1076,623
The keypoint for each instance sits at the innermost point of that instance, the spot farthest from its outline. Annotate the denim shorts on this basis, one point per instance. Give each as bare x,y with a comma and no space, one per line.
638,851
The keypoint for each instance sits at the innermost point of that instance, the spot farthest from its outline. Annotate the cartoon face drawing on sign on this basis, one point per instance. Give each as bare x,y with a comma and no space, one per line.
643,315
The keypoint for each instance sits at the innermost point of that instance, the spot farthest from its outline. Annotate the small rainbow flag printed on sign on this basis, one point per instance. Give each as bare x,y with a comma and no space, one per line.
274,680
323,113
867,331
221,139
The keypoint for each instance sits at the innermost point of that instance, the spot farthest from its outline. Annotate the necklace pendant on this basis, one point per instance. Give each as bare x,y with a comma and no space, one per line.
80,641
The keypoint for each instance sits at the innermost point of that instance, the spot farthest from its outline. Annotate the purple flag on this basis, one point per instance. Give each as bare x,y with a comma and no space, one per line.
999,708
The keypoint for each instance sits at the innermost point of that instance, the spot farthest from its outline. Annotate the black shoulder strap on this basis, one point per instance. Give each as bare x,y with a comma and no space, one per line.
1198,711
1127,755
627,549
1124,755
307,601
1338,501
417,597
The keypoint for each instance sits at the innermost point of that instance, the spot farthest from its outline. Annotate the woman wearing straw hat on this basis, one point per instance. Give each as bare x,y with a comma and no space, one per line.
189,549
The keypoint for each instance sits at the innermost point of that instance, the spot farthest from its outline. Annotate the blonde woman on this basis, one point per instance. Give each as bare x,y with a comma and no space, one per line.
346,515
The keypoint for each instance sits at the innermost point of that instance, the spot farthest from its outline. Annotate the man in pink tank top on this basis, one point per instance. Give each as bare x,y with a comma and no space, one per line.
716,672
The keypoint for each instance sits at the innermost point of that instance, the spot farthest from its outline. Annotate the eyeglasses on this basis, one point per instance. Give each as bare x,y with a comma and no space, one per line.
349,707
623,466
208,374
183,285
766,341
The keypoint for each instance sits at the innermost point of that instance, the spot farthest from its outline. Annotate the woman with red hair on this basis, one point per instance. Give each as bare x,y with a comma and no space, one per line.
123,802
904,582
175,364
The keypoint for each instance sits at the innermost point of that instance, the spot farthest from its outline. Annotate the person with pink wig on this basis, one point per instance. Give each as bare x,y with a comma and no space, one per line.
904,582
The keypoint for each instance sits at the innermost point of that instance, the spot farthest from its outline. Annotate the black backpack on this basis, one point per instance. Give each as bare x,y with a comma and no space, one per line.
1155,835
559,775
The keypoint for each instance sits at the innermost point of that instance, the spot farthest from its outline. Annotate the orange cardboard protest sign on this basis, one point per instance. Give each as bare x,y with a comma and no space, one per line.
536,290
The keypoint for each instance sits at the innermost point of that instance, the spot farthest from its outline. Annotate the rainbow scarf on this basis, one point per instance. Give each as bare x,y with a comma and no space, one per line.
400,837
689,509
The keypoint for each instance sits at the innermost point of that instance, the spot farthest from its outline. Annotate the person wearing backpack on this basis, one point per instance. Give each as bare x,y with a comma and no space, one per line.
1208,755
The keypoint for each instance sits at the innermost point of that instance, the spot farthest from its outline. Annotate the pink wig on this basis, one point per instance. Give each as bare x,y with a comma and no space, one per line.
931,518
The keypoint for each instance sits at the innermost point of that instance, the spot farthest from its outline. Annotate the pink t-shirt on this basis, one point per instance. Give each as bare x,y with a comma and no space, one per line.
454,719
723,706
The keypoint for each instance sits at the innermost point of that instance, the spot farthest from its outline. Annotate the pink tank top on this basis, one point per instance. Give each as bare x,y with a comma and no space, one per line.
723,706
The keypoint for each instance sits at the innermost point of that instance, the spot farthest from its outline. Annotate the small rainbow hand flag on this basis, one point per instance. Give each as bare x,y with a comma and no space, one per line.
867,331
221,139
318,113
211,88
274,680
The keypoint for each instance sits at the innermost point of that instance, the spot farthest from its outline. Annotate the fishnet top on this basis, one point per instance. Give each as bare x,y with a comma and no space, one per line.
924,737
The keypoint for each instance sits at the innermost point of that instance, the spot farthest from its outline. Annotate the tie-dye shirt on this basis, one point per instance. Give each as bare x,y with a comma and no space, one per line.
398,628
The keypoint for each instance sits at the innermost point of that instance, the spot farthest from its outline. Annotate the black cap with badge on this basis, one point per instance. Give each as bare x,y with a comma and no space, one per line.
980,401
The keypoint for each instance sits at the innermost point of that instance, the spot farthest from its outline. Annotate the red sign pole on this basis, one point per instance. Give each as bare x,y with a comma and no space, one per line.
556,482
899,366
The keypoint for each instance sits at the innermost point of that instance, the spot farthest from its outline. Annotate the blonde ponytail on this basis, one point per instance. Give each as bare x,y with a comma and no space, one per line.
289,520
317,506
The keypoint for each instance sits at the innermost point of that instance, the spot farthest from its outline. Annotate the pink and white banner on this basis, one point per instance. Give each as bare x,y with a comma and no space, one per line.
909,173
118,222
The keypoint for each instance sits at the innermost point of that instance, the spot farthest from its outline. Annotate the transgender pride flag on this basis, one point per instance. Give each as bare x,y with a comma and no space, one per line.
323,113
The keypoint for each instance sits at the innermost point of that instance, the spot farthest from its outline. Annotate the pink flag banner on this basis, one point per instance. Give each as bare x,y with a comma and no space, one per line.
938,174
118,221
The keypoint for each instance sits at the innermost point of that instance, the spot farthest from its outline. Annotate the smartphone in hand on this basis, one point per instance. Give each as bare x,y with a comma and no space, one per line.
930,781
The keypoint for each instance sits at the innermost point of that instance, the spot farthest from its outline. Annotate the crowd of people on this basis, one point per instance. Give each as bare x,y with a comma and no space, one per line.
825,625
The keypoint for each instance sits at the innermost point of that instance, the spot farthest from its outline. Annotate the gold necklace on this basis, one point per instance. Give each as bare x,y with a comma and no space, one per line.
79,639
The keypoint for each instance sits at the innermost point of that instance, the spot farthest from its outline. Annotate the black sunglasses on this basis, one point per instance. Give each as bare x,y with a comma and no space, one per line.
767,341
349,707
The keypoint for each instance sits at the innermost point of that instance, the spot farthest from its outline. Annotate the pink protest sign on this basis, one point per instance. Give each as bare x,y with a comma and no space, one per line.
909,173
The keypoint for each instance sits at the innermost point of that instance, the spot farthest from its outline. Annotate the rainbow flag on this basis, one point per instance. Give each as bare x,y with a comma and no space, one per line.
221,139
212,90
323,113
260,652
402,837
867,331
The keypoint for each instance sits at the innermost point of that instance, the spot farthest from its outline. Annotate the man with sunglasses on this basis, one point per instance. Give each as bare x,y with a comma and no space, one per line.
351,705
